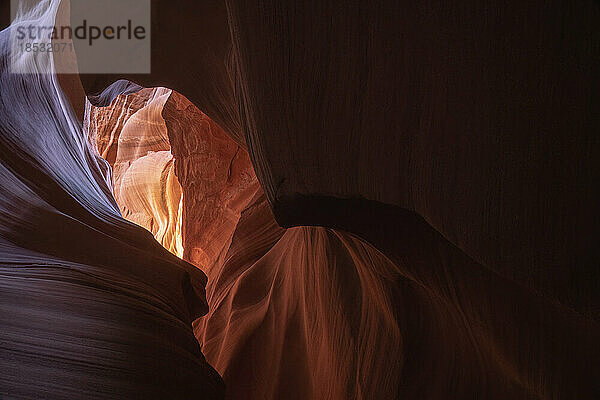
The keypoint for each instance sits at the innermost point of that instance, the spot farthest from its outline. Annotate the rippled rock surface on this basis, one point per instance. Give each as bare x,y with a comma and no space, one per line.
415,216
91,306
132,136
291,299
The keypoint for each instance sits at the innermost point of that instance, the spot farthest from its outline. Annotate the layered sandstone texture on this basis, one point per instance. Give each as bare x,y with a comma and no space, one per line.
91,305
291,299
132,136
423,225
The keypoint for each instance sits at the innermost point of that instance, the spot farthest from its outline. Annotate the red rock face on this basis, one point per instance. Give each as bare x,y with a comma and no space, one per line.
132,136
313,304
452,166
91,306
435,164
137,134
306,301
104,124
216,176
331,316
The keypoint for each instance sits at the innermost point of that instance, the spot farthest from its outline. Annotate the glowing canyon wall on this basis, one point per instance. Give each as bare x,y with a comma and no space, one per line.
91,306
288,299
132,136
376,201
310,300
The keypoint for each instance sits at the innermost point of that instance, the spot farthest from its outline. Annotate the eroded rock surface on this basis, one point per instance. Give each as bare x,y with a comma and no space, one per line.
449,148
132,136
314,305
217,178
306,301
91,306
392,308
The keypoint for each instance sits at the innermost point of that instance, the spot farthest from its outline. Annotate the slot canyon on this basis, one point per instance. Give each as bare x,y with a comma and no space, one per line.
305,200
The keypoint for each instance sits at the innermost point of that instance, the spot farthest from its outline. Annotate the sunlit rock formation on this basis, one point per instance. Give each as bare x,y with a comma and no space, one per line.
217,178
91,306
132,136
434,164
304,297
314,305
104,124
291,299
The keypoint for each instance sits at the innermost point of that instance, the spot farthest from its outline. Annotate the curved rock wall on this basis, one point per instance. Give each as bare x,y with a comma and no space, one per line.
217,178
303,313
91,306
434,164
306,301
132,136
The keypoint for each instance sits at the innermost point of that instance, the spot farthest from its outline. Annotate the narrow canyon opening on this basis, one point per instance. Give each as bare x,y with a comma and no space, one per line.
303,201
176,173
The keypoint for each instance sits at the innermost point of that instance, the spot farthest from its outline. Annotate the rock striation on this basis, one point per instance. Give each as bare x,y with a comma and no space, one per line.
91,306
291,299
415,216
131,135
216,176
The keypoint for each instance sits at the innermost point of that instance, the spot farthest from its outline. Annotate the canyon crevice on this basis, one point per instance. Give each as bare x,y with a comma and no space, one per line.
378,200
